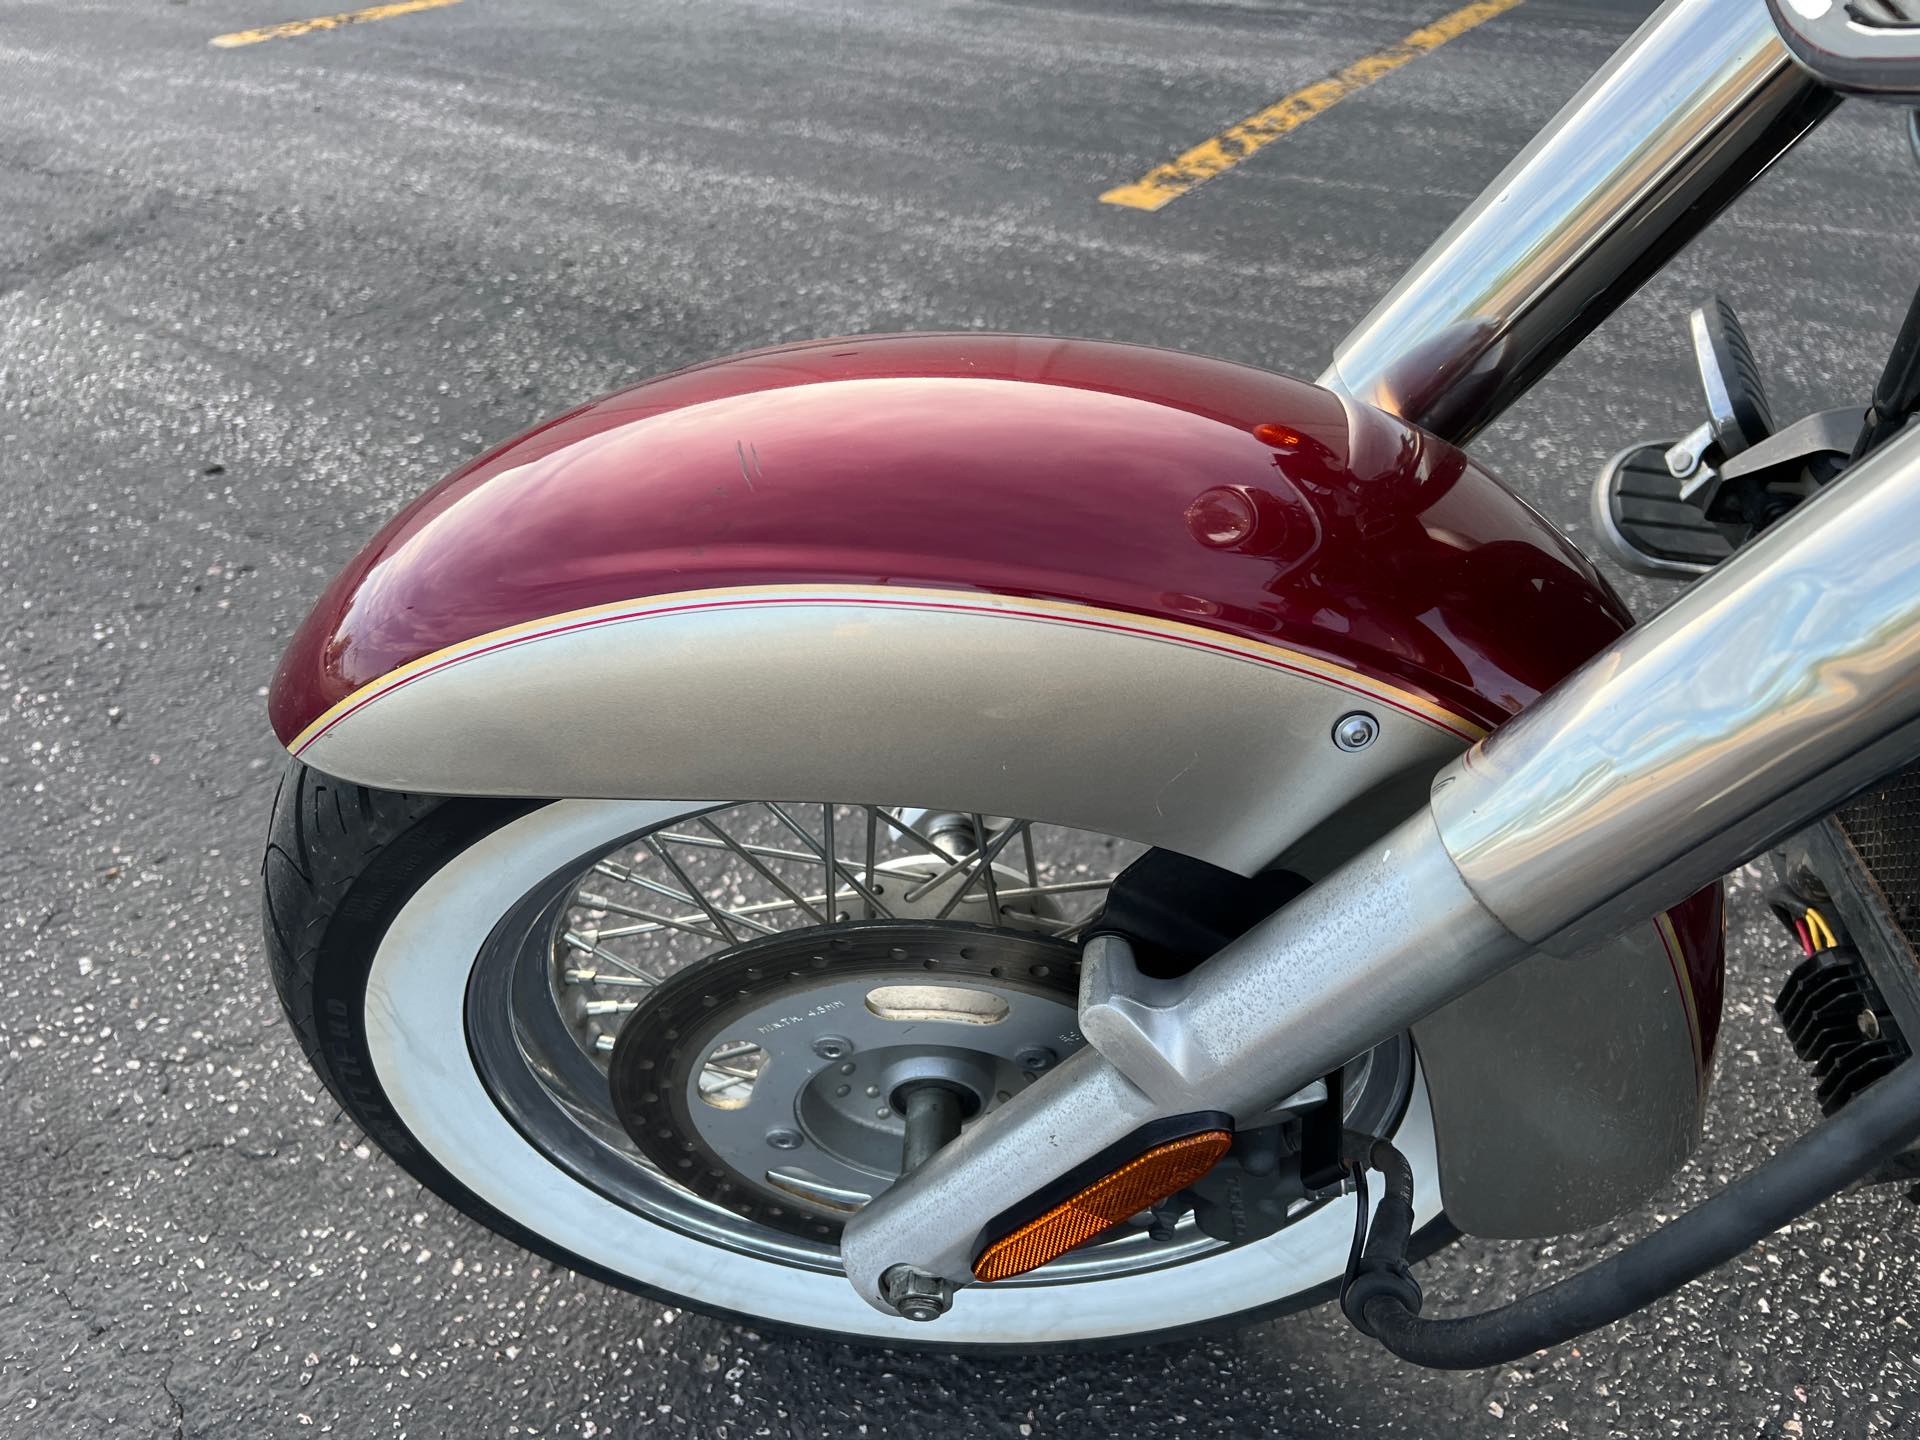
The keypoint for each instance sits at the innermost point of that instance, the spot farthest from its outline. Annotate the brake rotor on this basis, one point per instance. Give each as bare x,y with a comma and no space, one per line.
765,1079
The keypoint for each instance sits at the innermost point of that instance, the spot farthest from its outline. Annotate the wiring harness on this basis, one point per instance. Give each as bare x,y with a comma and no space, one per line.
1382,1299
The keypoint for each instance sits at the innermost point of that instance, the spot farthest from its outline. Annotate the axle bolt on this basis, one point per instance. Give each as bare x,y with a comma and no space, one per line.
1355,731
784,1139
916,1294
933,1111
832,1047
1034,1057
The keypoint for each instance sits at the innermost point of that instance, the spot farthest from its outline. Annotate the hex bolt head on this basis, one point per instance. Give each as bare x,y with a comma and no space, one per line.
832,1047
784,1139
916,1294
1034,1057
1355,731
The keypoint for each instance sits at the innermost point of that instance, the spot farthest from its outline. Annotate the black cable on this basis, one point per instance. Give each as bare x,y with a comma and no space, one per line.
1358,1168
1383,1301
1897,394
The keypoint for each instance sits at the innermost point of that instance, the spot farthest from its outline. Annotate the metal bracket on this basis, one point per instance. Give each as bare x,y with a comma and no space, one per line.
1688,455
1130,1018
1134,1021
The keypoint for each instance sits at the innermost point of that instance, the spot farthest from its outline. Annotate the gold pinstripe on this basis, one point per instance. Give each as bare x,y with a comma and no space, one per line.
1150,626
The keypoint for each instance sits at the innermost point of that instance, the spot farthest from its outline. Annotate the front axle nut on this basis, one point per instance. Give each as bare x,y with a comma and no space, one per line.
915,1294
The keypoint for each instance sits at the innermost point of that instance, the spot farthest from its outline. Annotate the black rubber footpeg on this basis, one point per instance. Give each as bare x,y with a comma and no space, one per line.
1736,395
1645,524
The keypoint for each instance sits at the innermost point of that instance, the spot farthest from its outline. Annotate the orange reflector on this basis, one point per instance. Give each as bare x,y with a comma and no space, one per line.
1134,1187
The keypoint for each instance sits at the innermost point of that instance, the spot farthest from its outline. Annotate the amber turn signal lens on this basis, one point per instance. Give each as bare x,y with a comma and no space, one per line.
1135,1186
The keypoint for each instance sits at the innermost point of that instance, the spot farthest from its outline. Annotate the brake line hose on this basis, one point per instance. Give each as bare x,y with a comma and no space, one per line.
1382,1300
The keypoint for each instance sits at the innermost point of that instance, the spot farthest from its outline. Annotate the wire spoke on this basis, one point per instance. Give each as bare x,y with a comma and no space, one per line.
986,866
764,907
696,897
834,868
719,915
954,867
827,851
1058,887
632,980
611,1007
699,896
873,830
761,869
654,919
614,868
574,940
1060,929
907,832
986,855
771,852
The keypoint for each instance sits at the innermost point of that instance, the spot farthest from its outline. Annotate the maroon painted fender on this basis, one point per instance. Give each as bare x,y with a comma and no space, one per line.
1107,475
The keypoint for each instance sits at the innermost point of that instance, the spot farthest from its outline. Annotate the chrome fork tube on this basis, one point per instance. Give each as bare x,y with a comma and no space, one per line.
1776,687
1689,112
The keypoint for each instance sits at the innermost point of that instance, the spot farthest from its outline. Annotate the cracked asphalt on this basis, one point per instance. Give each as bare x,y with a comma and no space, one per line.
251,300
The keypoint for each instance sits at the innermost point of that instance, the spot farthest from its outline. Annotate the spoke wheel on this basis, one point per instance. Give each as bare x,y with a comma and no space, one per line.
423,947
712,922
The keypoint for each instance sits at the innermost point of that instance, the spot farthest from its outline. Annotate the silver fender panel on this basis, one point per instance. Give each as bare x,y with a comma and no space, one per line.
1562,1092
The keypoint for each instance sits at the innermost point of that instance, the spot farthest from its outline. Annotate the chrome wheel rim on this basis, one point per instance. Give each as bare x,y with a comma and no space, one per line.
558,974
420,1046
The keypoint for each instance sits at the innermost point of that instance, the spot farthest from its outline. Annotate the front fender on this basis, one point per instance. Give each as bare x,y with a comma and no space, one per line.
1101,585
1119,477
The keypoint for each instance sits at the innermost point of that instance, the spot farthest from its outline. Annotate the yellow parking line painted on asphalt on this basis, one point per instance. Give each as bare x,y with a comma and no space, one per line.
325,22
1166,183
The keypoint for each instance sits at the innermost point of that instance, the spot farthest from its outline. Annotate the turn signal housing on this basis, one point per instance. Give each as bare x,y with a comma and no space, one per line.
1138,1185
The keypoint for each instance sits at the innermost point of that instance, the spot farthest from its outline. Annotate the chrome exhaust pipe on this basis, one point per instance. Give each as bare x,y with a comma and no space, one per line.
1773,690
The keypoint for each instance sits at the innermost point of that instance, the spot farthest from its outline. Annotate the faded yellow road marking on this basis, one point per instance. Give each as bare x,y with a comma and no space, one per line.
1166,183
325,22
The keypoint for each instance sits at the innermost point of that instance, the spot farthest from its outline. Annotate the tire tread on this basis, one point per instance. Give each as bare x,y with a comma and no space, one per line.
315,856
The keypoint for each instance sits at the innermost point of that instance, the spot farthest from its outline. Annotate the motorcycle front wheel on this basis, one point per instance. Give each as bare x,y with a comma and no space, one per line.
463,974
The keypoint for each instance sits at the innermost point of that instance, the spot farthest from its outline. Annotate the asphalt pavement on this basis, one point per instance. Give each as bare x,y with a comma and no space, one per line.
251,299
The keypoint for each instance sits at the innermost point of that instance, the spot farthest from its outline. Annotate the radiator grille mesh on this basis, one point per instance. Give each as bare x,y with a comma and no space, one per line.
1884,826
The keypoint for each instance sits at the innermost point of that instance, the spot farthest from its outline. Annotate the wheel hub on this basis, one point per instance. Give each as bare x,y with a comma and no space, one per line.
772,1078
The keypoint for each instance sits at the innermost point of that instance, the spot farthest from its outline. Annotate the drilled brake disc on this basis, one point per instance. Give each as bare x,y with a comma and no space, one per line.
764,1079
